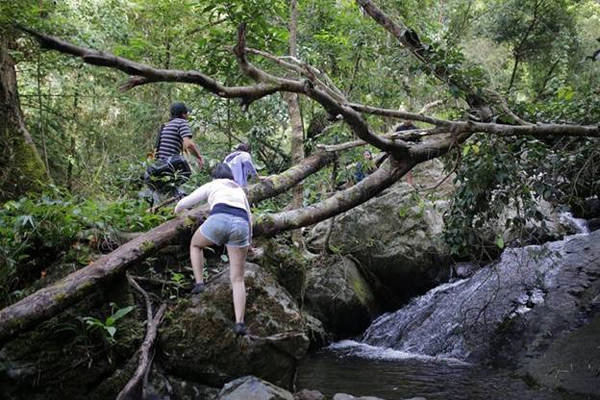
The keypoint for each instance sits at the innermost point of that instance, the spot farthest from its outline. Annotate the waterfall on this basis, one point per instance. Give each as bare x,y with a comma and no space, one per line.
578,225
459,320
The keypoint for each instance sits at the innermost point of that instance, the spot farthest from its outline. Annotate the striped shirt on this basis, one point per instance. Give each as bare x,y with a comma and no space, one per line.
171,138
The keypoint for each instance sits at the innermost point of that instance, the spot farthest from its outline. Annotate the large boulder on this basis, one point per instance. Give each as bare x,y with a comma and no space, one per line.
285,262
198,343
337,294
570,363
396,236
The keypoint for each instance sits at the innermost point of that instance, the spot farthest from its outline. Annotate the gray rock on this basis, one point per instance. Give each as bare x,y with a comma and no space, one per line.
535,311
306,394
338,295
199,342
344,396
396,237
252,388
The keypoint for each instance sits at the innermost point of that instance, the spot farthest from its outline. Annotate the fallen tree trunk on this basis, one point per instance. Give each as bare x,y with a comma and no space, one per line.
49,301
384,177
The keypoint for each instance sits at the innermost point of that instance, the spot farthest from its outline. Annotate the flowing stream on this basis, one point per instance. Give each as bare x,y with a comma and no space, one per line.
363,370
421,350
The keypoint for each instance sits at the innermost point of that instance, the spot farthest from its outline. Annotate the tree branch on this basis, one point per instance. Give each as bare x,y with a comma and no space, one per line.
424,53
389,173
143,74
358,125
135,387
302,69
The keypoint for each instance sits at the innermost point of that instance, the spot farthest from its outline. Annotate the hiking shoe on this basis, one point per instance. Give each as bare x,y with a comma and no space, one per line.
198,288
239,329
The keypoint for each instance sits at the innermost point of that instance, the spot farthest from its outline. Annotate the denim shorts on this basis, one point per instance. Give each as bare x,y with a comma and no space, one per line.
226,229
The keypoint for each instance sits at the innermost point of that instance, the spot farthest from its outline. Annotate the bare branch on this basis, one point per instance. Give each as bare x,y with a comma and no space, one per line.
302,69
538,130
135,387
386,112
404,136
358,125
429,106
409,39
143,74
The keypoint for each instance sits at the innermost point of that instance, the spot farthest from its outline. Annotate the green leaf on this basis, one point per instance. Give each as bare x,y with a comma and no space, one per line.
500,242
111,330
122,312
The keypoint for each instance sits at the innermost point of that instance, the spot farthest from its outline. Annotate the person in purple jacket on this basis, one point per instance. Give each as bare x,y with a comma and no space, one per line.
240,162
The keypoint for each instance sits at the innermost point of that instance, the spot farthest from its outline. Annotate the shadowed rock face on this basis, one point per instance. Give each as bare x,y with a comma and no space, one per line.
198,342
396,238
338,295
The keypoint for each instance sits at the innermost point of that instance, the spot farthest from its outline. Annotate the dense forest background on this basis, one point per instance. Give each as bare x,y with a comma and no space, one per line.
540,57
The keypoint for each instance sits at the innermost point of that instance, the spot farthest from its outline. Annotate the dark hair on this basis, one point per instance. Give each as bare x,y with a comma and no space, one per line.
178,109
243,147
222,171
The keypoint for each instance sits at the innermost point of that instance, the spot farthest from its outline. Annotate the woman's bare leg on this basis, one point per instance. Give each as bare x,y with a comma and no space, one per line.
237,260
199,242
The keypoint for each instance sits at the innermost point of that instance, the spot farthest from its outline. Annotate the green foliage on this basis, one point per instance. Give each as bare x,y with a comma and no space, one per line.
95,139
498,173
108,326
37,232
490,179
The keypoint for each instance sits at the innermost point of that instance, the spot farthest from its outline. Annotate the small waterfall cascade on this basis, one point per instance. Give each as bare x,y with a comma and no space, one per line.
437,346
578,225
456,320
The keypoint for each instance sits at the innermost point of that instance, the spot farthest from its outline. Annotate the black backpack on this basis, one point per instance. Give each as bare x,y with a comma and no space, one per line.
164,175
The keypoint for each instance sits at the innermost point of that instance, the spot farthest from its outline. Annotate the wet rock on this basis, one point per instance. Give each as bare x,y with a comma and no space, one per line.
337,294
309,395
535,311
344,396
571,363
198,342
252,388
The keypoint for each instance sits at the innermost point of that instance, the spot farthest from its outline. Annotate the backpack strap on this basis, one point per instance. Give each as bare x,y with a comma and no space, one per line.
231,156
157,144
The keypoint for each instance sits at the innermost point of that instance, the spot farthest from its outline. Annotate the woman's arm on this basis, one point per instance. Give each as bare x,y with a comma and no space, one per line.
193,198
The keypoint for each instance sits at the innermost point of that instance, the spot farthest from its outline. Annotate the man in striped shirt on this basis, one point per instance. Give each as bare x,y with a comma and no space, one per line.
171,169
176,136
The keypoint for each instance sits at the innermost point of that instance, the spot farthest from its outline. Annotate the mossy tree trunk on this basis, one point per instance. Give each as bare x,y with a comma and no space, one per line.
297,136
21,167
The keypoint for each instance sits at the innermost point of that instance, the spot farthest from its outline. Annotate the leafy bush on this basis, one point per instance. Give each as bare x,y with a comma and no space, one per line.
495,173
38,232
